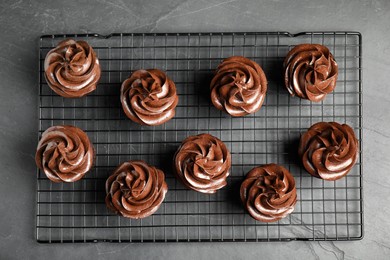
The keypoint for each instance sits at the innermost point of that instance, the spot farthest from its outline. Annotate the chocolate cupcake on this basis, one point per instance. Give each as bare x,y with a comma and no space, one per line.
72,69
64,153
149,97
328,150
239,86
310,72
202,163
135,189
268,193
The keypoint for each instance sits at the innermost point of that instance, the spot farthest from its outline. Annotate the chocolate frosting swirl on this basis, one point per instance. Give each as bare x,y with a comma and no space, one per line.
202,163
239,86
310,71
149,97
64,153
268,192
135,189
72,69
328,150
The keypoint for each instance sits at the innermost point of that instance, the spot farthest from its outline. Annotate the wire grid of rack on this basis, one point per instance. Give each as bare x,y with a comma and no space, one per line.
325,210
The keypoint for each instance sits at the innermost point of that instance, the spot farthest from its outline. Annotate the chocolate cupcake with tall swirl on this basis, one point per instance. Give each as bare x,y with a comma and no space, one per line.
135,190
310,72
72,69
64,153
149,97
268,193
239,86
329,150
202,163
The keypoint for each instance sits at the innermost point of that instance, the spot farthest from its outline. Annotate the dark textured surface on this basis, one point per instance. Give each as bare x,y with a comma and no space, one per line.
22,23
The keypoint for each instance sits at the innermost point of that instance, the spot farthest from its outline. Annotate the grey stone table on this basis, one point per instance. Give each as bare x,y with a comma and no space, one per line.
22,22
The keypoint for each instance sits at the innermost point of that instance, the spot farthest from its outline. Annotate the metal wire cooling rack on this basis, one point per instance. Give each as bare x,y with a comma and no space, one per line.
325,210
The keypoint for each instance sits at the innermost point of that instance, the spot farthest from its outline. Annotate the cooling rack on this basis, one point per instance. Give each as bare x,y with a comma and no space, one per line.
325,210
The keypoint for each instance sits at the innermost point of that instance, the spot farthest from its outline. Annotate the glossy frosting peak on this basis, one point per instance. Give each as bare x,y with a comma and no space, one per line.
72,69
329,150
149,97
135,189
239,86
202,163
64,153
310,71
268,193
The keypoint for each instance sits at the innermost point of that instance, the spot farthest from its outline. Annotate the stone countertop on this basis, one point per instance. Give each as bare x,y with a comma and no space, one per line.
21,24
